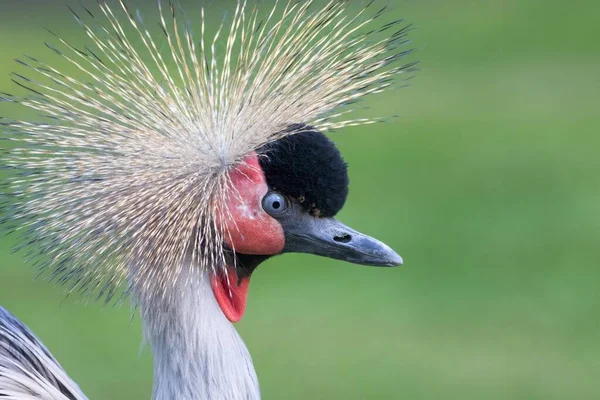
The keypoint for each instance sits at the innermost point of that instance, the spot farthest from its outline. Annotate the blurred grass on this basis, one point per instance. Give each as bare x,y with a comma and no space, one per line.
488,186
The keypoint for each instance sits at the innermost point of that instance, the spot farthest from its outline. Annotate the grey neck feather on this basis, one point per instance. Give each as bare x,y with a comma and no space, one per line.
197,352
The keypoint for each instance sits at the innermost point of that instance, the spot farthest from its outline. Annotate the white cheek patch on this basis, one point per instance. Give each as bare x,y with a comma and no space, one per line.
246,211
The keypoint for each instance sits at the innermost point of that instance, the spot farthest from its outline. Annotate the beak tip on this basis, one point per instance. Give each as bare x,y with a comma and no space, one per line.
396,260
389,257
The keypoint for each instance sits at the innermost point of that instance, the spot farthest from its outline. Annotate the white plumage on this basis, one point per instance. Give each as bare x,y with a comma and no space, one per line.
27,369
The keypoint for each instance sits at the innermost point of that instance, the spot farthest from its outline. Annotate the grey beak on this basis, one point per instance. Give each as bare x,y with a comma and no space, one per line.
328,237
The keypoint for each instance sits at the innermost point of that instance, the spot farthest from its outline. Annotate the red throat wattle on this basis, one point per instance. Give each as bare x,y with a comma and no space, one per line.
231,293
249,230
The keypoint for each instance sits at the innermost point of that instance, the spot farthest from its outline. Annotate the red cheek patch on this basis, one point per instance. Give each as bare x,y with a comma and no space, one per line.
248,228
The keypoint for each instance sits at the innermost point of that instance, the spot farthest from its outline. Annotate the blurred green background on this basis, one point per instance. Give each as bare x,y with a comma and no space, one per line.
487,185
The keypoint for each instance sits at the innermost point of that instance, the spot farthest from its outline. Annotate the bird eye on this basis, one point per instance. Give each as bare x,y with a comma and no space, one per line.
274,203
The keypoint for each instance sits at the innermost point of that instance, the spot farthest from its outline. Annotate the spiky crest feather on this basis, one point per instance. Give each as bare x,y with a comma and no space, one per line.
127,174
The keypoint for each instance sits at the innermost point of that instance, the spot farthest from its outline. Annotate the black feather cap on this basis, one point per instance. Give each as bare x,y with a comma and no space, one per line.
307,167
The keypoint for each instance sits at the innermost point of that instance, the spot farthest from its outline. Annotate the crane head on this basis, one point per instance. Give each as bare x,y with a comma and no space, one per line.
148,165
284,200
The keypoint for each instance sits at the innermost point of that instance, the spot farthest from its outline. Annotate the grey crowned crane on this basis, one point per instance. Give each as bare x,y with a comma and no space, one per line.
166,168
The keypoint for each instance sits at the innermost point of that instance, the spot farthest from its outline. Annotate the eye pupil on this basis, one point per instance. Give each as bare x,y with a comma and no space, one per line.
276,205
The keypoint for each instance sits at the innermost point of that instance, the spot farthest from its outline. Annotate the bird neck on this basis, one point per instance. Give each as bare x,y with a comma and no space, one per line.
197,352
